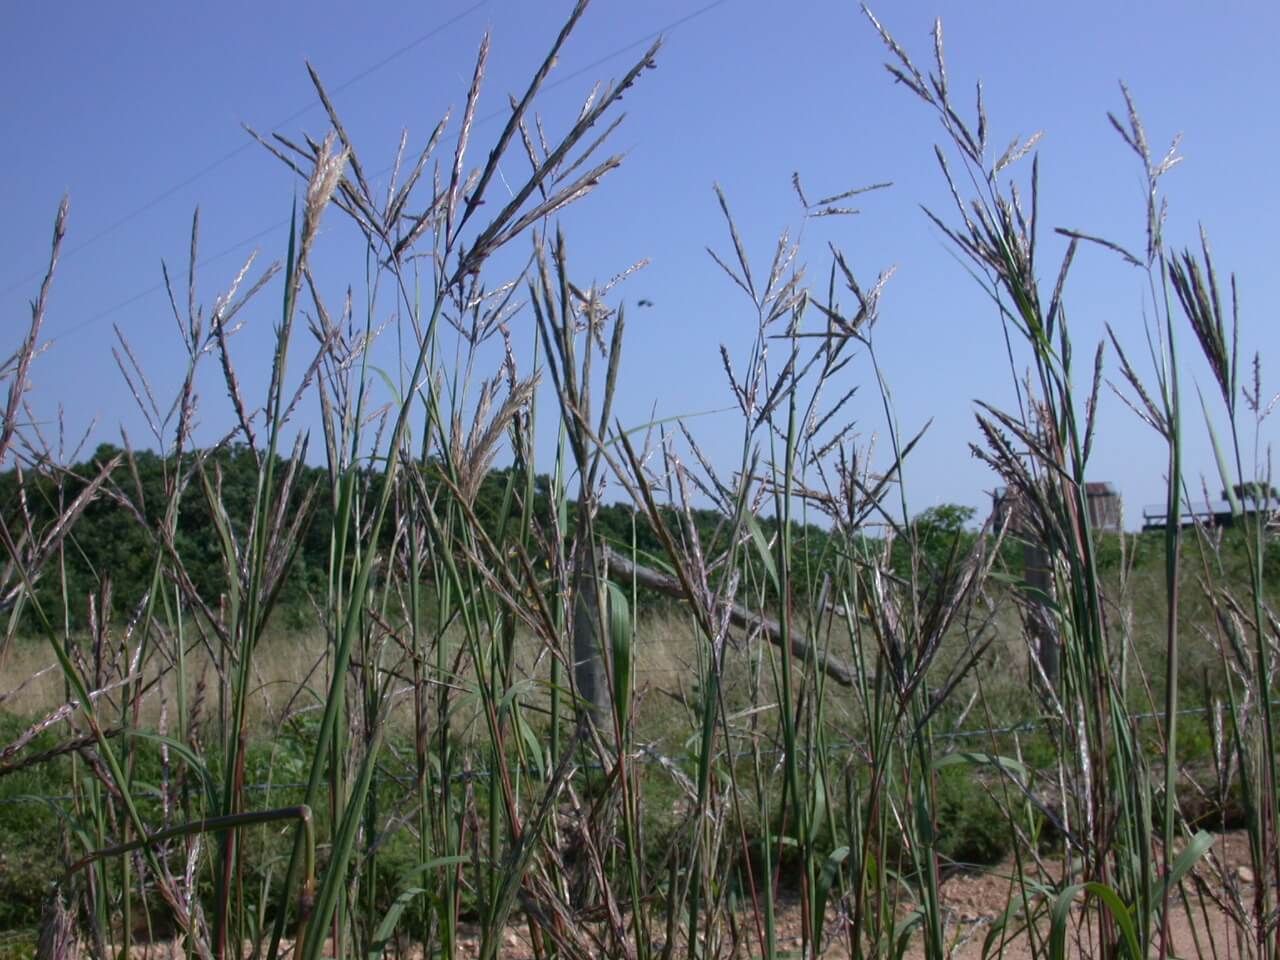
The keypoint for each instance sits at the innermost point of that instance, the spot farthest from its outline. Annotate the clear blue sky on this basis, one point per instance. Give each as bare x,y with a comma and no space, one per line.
135,111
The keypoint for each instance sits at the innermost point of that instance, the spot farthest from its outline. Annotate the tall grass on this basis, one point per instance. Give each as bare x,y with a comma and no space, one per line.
1119,809
827,673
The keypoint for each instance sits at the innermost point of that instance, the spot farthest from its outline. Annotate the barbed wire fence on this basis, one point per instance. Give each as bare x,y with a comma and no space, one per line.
647,754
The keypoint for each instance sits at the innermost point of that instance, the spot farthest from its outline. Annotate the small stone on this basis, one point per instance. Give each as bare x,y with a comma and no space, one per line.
1244,875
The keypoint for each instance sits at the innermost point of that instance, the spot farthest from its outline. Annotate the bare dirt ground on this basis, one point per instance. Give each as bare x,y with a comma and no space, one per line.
975,901
973,904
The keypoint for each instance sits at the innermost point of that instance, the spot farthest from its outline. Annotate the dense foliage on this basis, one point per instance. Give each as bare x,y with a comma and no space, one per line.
116,543
112,550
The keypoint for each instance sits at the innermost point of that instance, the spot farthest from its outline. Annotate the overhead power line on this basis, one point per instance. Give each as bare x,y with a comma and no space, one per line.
487,118
282,223
208,168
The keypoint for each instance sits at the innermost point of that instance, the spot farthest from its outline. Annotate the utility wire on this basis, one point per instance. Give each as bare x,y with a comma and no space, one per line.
486,118
232,154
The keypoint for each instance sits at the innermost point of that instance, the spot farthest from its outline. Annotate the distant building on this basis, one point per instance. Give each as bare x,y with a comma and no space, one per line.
1254,499
1106,507
1004,508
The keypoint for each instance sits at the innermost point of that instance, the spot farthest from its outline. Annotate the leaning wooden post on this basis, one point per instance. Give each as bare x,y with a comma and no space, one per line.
589,647
801,647
1038,571
1037,567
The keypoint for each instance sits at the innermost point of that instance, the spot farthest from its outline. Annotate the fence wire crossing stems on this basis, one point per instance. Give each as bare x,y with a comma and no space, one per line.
650,755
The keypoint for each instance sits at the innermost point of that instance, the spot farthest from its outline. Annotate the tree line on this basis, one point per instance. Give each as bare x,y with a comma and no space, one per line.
111,550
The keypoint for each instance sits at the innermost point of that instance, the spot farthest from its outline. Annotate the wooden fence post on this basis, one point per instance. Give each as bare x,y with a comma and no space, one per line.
1038,571
1037,574
589,653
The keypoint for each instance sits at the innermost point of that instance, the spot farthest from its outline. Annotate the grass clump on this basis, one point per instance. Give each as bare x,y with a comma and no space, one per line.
473,724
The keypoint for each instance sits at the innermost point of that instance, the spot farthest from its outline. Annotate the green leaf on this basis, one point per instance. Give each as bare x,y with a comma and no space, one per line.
1111,900
1223,472
1014,768
903,940
818,806
435,863
385,377
390,920
402,901
762,546
620,647
532,744
335,874
1190,855
519,688
211,785
924,816
1018,909
826,880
